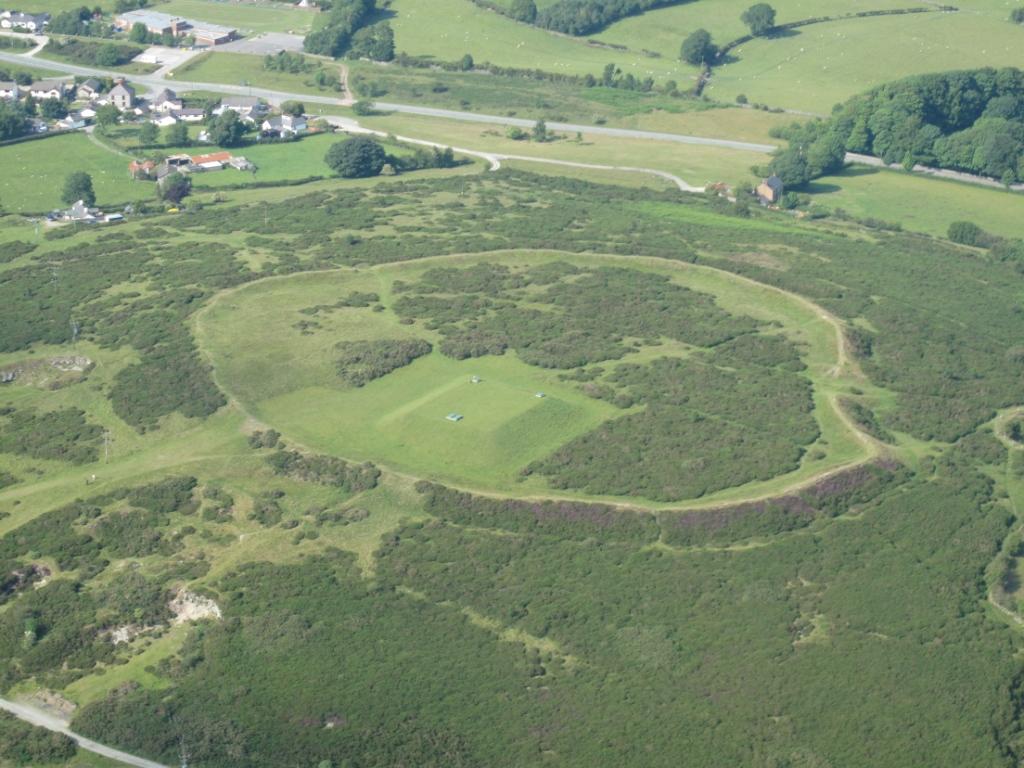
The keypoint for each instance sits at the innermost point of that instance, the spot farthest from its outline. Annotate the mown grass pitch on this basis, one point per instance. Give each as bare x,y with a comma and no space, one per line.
400,421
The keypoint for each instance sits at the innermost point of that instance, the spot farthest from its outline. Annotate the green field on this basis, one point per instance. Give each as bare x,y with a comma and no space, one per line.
827,63
919,203
400,421
245,69
247,16
448,29
48,161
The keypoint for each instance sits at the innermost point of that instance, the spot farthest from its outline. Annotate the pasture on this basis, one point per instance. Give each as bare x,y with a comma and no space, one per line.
246,69
448,29
920,204
48,161
247,16
824,64
399,420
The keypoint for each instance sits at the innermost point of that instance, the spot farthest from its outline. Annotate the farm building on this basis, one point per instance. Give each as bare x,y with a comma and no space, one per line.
770,190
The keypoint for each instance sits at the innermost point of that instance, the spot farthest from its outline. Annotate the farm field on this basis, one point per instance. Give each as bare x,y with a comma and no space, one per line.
47,170
246,15
825,64
246,69
918,204
448,29
663,30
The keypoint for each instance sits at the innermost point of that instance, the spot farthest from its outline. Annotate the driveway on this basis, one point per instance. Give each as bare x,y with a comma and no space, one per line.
261,45
169,59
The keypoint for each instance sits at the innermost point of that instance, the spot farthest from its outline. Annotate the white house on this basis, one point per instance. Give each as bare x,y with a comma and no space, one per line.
247,107
33,22
8,90
48,89
285,125
163,120
190,115
72,122
167,101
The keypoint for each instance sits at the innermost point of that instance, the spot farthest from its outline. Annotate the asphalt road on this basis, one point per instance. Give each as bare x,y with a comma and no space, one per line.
155,83
51,723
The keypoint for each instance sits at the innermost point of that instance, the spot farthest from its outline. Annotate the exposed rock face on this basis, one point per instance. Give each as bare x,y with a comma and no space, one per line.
188,606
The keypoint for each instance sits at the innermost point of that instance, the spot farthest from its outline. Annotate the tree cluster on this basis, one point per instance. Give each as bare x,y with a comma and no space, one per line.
344,19
585,17
970,121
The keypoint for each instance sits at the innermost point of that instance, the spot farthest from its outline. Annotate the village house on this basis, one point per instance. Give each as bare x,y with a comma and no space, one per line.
284,126
33,22
72,122
80,212
48,89
770,190
141,169
122,96
247,107
163,120
166,101
190,115
8,90
89,90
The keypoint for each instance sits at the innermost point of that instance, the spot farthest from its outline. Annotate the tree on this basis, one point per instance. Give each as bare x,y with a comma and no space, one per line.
293,108
139,33
147,134
12,121
176,135
227,130
78,186
1017,15
376,42
523,10
697,49
52,109
107,115
968,233
174,187
356,158
540,131
759,18
466,63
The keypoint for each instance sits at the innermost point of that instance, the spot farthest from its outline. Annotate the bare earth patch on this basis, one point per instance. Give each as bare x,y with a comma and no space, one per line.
188,606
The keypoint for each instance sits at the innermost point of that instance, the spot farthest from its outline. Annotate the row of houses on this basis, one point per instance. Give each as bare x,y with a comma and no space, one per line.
40,90
157,23
31,22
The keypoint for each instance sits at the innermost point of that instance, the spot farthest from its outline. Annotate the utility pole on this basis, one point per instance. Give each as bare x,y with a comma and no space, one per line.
74,331
107,440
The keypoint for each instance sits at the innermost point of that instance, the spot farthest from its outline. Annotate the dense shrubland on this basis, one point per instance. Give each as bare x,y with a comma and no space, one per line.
360,362
788,652
63,435
708,422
